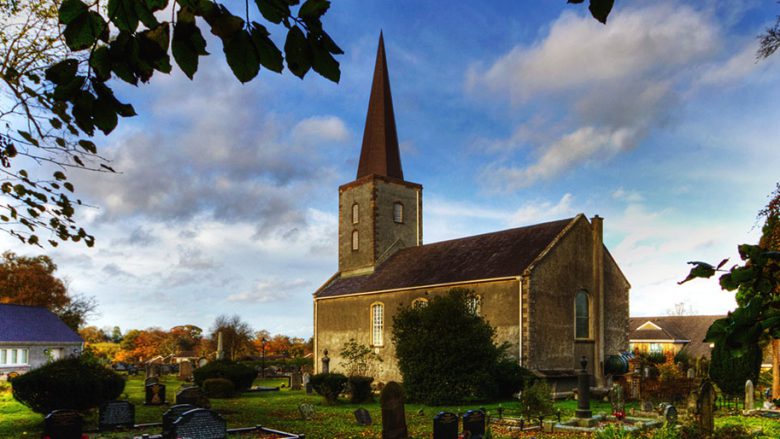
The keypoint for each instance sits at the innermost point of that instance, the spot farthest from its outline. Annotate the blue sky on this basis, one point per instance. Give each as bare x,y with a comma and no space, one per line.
509,113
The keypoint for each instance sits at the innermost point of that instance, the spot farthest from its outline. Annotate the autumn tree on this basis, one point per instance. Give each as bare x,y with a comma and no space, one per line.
236,336
142,345
30,280
92,334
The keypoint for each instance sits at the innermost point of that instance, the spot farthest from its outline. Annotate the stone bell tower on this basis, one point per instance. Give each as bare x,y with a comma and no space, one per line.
379,212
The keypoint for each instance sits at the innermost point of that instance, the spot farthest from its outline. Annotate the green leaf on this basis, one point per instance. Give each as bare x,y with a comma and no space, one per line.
70,10
329,44
63,71
67,91
600,9
100,61
28,137
68,186
270,56
156,5
84,30
297,52
700,269
122,13
241,56
82,112
188,43
145,14
59,175
55,123
153,45
88,146
224,24
313,9
105,115
323,62
274,10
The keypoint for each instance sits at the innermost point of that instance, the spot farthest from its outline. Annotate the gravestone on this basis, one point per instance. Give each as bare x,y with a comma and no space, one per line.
445,426
202,362
296,380
116,414
393,415
705,407
171,415
669,412
151,380
200,424
691,374
307,383
306,411
192,395
325,362
63,424
474,423
155,394
185,370
362,416
646,405
749,395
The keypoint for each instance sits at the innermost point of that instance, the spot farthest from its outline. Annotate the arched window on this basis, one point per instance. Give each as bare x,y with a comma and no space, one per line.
419,302
355,237
355,213
398,212
475,304
377,324
582,315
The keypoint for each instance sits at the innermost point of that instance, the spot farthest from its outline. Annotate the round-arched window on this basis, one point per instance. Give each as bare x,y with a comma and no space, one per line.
581,315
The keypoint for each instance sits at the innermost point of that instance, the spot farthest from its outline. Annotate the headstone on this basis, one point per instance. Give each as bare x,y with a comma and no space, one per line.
296,380
192,395
325,362
185,370
705,406
474,423
200,424
202,362
116,414
691,374
670,414
151,380
393,415
445,426
362,416
647,405
155,394
307,383
63,424
171,415
749,395
306,410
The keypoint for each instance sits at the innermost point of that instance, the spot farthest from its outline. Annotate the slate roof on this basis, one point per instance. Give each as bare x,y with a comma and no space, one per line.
492,255
693,328
29,324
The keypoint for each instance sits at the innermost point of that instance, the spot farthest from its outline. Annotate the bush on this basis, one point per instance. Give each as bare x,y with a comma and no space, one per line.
511,378
71,383
359,389
445,351
656,358
358,359
219,388
730,372
329,385
536,401
240,375
733,431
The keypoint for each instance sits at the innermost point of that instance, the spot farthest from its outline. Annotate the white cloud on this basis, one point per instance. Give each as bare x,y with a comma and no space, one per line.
542,211
321,129
269,290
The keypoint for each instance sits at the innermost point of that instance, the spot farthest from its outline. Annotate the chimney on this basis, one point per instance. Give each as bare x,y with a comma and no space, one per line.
597,224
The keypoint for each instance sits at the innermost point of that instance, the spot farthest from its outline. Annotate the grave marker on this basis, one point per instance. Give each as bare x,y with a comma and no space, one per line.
362,416
116,414
306,410
192,395
63,424
151,380
200,424
171,415
296,380
705,408
445,426
185,370
474,423
393,414
155,394
749,395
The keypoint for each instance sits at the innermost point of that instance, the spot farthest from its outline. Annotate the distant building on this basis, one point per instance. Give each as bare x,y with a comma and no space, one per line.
552,291
671,334
31,336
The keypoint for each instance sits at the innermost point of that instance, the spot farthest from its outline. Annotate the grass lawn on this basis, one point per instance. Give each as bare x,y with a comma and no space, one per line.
279,410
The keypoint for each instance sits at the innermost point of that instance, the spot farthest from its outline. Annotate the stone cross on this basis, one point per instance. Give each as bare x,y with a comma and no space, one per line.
749,395
325,362
393,414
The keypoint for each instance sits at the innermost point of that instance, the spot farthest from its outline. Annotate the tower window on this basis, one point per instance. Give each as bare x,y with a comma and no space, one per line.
582,315
355,240
355,213
377,324
398,212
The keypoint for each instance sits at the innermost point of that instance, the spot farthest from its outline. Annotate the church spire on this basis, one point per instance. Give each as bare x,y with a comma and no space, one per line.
379,154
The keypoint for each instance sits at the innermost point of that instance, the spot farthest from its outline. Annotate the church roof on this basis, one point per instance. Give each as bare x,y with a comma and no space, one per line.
380,154
492,255
33,324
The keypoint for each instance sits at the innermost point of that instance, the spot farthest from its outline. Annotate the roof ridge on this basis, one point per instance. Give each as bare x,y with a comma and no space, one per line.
24,306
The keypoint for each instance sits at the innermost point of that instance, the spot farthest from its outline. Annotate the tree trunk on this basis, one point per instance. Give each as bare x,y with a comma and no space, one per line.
775,368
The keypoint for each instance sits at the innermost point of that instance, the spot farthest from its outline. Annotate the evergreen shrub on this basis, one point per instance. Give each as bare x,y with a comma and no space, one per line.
730,372
239,374
71,383
329,385
359,389
219,388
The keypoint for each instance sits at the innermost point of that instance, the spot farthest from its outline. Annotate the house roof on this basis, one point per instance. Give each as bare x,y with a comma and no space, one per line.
675,328
492,255
30,324
380,154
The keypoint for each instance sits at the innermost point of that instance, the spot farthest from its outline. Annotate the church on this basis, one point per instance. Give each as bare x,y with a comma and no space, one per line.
551,290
